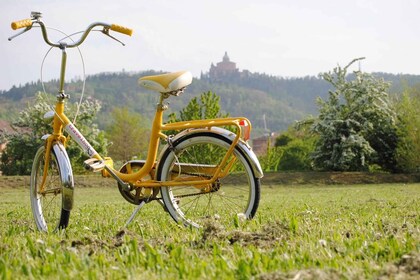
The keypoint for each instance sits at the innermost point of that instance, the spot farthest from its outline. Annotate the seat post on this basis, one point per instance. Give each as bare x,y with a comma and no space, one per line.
161,106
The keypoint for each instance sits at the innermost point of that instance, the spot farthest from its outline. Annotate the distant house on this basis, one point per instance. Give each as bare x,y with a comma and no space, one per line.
5,129
2,147
261,144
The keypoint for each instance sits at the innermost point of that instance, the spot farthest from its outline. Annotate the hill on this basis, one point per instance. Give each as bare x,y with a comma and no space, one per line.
280,100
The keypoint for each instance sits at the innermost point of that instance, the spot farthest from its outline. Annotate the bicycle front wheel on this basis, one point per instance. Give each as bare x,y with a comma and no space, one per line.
47,203
234,194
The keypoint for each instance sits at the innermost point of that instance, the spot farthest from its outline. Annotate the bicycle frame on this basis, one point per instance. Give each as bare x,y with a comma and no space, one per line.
61,122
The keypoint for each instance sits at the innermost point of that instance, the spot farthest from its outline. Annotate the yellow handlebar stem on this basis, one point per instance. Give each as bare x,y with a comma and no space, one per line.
21,23
122,29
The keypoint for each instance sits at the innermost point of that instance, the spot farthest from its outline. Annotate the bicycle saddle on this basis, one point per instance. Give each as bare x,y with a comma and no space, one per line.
167,83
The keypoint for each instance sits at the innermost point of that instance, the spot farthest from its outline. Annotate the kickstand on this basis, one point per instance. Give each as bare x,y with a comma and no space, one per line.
162,204
135,213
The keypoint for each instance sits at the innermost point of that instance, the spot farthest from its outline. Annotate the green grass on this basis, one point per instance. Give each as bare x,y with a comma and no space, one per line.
311,232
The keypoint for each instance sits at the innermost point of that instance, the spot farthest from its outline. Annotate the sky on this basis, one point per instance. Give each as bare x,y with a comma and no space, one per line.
288,38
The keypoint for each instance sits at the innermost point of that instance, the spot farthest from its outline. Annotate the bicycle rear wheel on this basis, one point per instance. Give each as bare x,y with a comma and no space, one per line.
195,157
47,204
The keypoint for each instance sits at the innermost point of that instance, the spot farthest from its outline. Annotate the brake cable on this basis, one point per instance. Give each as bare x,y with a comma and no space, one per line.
83,66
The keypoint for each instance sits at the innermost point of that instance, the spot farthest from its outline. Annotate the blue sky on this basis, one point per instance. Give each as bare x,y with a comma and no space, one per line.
280,37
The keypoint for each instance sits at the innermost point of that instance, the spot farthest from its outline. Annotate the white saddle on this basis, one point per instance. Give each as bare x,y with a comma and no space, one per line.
166,83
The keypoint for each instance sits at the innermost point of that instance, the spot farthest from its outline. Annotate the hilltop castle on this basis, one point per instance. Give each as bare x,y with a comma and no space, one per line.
224,70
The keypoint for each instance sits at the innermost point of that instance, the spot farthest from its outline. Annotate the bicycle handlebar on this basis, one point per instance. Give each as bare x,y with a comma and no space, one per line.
28,23
121,29
21,23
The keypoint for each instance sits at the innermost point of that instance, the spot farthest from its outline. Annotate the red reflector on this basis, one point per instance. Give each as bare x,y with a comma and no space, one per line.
246,131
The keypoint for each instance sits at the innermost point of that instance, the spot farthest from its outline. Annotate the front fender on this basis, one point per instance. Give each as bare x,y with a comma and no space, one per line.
242,146
66,174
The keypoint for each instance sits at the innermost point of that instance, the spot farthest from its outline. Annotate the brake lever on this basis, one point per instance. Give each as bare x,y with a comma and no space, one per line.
20,33
106,32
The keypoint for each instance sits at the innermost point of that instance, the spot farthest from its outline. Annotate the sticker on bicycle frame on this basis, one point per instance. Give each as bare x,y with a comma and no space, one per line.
80,139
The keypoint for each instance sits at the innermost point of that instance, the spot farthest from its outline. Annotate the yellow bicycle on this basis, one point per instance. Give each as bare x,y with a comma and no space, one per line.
204,171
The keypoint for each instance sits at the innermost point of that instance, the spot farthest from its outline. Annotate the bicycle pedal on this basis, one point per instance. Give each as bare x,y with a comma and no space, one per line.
94,164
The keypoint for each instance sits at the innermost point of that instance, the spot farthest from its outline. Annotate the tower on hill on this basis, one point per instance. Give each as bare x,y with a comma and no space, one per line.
223,69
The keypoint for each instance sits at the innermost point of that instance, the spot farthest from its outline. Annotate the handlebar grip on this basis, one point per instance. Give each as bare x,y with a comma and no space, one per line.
21,23
122,29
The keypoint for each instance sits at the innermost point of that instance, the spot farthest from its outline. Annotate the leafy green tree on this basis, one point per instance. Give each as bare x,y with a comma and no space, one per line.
205,107
408,150
270,161
356,125
296,155
283,140
292,150
17,158
297,145
30,127
128,134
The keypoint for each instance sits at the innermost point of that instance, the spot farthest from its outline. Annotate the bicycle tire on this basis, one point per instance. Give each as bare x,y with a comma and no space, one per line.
237,194
48,208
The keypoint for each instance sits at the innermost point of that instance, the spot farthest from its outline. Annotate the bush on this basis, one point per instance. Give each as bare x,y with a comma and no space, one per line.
292,151
296,156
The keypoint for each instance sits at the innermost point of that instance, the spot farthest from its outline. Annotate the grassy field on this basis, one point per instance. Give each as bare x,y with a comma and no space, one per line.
300,232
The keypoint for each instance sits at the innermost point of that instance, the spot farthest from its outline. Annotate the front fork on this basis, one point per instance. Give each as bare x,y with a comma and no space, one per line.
48,146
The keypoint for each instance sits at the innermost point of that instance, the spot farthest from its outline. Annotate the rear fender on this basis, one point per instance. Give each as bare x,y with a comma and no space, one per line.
230,136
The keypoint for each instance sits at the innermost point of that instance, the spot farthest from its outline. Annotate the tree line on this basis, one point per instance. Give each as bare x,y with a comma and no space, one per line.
281,100
360,125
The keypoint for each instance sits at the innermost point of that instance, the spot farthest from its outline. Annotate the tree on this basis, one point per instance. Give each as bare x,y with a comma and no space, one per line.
296,156
283,140
128,134
30,127
271,159
292,150
297,144
356,125
408,150
207,108
18,156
